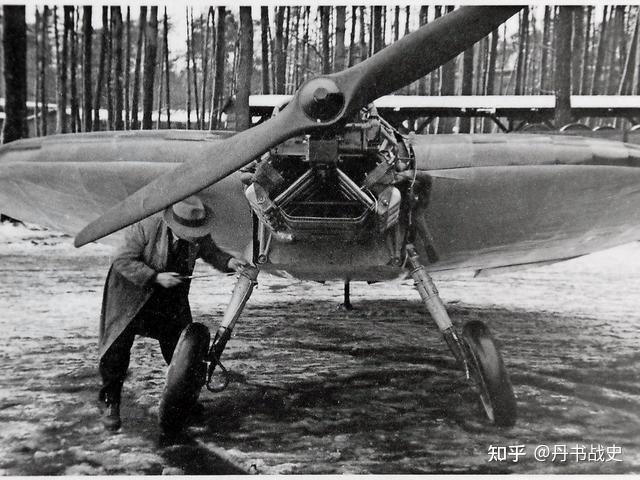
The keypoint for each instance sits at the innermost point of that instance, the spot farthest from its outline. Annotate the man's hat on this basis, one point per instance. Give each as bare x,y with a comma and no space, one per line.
189,218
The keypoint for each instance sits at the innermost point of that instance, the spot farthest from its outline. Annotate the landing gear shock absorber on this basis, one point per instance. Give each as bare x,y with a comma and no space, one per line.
475,350
247,280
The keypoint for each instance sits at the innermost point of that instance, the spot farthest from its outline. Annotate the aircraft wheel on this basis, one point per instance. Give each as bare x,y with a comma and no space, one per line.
488,372
185,377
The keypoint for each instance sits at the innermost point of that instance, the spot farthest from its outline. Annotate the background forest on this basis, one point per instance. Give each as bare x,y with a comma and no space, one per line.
80,69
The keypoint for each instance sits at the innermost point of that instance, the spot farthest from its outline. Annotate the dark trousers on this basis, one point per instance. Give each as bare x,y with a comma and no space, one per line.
156,319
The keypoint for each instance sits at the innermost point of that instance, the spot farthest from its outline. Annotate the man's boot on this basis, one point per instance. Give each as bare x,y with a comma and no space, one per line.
111,417
110,411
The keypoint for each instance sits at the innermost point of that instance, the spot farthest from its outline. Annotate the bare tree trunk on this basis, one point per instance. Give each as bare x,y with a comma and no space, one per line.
435,75
205,63
563,68
234,67
324,26
467,85
245,70
546,47
165,31
148,74
75,101
636,77
352,37
272,47
104,39
221,47
362,37
194,77
586,54
491,69
491,74
503,60
14,42
378,43
87,33
264,37
407,12
67,23
186,16
577,48
339,58
109,82
396,22
142,26
62,125
116,14
160,87
422,20
56,35
305,41
285,48
522,39
596,82
625,87
127,73
43,70
38,46
278,53
481,56
384,27
371,21
618,48
527,50
212,70
296,53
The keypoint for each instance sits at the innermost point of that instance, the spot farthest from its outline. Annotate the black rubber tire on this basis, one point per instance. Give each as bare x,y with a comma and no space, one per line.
185,378
488,371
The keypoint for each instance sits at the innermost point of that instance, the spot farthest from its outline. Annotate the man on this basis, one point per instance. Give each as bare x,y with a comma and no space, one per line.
146,291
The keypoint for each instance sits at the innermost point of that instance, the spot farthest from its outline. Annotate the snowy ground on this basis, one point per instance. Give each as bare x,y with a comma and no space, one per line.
317,390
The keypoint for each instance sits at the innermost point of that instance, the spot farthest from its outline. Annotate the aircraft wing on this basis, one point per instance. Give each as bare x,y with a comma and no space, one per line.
65,181
499,201
493,200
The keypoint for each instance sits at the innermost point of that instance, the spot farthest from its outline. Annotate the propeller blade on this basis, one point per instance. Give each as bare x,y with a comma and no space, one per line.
418,53
319,103
223,159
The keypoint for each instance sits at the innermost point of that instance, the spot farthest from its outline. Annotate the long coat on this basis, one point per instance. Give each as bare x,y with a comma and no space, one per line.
130,282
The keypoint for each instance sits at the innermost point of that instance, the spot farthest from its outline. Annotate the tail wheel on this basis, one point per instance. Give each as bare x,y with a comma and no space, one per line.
185,377
488,372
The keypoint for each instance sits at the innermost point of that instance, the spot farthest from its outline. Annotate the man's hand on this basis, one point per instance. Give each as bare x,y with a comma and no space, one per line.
168,279
236,264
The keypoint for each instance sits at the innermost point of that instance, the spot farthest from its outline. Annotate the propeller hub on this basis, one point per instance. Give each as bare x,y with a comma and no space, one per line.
321,99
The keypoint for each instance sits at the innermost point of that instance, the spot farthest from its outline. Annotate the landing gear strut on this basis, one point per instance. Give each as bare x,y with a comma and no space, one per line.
475,350
346,305
194,362
247,280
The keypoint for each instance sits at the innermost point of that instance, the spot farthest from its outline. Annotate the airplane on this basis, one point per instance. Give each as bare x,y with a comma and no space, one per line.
326,189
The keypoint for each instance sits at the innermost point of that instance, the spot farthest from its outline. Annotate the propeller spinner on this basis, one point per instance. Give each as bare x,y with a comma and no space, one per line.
319,103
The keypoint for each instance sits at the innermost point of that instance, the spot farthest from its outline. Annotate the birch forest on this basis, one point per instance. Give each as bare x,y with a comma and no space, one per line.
88,68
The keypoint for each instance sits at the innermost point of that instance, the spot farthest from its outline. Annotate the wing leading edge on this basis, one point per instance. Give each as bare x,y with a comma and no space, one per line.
504,200
65,181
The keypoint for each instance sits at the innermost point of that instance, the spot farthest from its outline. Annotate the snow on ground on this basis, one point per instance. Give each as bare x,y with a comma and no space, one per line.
316,390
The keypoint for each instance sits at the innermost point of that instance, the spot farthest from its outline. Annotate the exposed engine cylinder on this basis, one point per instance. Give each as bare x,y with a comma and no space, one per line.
341,187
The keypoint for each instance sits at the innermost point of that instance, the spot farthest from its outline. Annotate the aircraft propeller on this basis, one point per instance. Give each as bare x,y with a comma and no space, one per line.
319,103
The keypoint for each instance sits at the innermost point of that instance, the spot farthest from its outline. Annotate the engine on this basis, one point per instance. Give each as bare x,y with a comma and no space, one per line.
344,186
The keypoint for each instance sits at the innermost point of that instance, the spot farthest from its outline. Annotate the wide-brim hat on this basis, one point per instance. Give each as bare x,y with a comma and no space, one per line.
189,218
